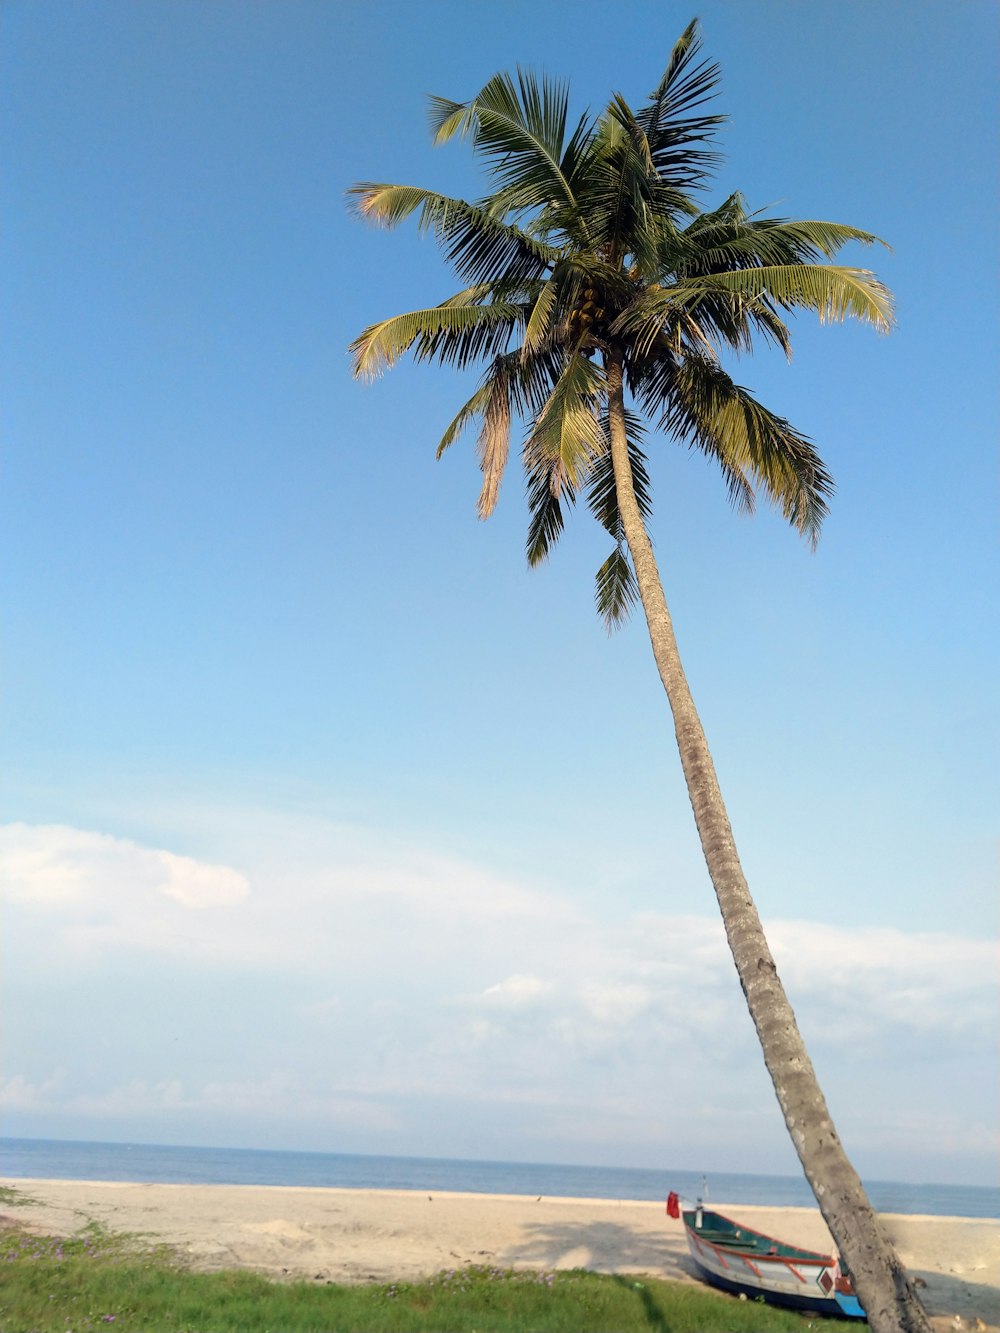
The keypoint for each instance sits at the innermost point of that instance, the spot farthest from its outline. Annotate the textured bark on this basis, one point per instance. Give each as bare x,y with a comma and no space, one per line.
881,1281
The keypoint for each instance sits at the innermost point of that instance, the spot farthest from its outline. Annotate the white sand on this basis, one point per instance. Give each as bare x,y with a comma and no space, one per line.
384,1235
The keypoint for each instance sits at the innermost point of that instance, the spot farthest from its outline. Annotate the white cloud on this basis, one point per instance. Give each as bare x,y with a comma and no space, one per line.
617,1004
52,866
396,919
278,1093
873,982
76,894
194,884
517,992
375,972
18,1093
326,900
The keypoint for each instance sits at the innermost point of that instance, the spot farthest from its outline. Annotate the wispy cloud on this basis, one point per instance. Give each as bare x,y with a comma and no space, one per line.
59,867
418,919
517,992
278,1094
348,979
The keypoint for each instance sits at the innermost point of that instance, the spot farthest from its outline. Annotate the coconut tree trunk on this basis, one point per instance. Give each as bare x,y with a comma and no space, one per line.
880,1279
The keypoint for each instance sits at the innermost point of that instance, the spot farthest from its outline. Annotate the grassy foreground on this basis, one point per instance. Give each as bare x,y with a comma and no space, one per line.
98,1281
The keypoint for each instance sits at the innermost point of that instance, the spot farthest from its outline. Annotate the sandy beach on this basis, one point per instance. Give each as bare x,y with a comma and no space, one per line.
345,1235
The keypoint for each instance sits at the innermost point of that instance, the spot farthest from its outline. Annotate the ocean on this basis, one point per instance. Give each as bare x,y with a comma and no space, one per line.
55,1159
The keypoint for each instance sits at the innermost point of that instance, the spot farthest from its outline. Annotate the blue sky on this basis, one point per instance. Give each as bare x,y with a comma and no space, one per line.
328,824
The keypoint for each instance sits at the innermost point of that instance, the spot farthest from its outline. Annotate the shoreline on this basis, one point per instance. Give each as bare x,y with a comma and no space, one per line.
334,1234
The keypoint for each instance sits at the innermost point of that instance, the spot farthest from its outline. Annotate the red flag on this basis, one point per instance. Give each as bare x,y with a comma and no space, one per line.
673,1205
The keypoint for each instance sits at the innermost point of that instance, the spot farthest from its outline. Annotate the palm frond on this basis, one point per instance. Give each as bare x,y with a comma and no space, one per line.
615,588
755,448
452,333
730,237
478,245
464,417
724,302
509,384
568,430
766,321
446,118
656,319
627,204
672,132
807,239
475,242
519,128
540,321
385,205
622,198
602,494
621,114
482,340
834,292
547,491
494,439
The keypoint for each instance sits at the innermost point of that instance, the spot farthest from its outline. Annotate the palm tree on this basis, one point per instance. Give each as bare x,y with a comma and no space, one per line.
599,297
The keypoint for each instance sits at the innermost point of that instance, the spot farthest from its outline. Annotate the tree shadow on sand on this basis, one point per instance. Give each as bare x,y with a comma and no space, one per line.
950,1294
603,1247
621,1251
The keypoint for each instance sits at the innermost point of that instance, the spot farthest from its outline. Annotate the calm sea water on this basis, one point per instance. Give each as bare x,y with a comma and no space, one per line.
63,1160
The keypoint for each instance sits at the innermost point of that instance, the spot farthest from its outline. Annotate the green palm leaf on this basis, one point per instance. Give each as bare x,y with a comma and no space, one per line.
835,292
672,133
539,326
730,237
477,243
519,128
808,239
509,385
722,302
755,448
602,495
626,202
464,417
447,118
615,589
452,333
567,434
386,205
547,491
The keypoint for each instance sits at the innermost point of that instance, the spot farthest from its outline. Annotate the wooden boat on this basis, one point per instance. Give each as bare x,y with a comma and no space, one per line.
738,1259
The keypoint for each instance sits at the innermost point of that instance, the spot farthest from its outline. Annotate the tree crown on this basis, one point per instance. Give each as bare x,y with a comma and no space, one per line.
591,251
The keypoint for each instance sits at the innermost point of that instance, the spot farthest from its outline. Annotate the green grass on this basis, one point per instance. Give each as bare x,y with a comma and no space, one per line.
13,1198
98,1281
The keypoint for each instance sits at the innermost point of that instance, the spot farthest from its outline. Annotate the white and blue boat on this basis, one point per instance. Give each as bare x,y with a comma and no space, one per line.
745,1262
